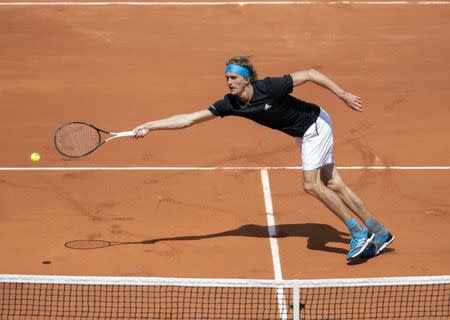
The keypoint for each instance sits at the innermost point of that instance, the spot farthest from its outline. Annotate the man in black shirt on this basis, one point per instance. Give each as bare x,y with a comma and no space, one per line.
268,102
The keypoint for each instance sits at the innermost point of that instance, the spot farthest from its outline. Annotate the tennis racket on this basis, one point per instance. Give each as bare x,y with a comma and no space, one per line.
77,139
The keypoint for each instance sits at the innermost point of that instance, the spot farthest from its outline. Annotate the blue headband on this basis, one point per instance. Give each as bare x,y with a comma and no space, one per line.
234,68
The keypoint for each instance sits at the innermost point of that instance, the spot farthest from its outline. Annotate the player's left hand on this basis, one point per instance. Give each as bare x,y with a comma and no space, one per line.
352,101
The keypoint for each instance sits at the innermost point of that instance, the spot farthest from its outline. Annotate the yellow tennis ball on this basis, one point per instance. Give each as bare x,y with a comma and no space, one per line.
35,157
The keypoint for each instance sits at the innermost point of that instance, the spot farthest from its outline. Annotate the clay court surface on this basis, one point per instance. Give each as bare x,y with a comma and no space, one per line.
119,66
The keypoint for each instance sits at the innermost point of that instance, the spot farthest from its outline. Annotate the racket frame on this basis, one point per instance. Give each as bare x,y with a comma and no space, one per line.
99,131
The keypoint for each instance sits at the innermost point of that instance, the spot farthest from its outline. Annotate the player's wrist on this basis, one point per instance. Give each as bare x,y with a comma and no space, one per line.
341,94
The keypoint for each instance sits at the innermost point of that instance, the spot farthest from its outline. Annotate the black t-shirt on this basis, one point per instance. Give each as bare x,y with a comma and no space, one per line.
271,106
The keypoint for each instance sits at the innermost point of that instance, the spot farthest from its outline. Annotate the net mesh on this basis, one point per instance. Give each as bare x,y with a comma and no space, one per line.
59,301
378,302
25,297
76,139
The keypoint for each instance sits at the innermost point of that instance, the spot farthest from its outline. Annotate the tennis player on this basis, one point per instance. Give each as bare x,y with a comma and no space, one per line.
269,103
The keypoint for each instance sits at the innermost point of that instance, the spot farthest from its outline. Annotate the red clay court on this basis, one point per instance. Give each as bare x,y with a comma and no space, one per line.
197,203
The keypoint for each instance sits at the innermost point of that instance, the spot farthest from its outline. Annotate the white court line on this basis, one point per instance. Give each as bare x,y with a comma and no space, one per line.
271,224
223,3
273,242
237,168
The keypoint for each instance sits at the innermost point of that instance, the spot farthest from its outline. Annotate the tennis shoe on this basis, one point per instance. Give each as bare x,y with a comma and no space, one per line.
380,242
359,243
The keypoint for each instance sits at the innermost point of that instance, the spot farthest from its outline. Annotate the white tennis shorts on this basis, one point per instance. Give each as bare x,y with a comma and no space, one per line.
316,146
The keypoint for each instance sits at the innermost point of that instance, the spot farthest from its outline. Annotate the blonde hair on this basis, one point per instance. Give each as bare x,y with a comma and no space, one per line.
244,61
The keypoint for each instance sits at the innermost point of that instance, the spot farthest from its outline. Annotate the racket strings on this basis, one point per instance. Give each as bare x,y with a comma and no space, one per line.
77,139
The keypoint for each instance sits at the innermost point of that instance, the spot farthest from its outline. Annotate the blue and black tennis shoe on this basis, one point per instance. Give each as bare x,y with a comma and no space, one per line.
359,242
380,242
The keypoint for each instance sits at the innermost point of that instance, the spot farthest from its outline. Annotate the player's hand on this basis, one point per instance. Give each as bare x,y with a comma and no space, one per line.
352,101
140,132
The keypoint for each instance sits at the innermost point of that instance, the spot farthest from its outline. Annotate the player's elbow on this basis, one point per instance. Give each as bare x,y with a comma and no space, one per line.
186,120
312,74
177,122
304,76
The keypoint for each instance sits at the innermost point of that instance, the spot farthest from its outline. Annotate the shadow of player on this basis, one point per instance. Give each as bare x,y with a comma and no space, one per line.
319,236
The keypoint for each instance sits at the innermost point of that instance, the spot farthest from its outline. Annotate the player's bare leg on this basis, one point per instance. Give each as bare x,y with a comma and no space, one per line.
313,185
332,179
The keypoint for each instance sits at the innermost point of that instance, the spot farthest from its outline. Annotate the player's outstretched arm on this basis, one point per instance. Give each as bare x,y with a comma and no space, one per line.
300,77
175,122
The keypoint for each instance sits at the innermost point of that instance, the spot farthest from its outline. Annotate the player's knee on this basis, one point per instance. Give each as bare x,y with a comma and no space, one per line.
310,187
337,186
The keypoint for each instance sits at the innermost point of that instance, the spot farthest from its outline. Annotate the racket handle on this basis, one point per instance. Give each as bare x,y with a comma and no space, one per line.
123,134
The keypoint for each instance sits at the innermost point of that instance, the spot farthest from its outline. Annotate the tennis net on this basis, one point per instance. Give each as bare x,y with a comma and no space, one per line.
75,297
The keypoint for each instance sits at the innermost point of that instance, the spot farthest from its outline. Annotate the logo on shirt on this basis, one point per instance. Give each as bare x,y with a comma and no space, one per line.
267,106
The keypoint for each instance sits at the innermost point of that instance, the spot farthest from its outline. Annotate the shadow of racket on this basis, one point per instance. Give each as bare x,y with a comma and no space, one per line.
98,244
